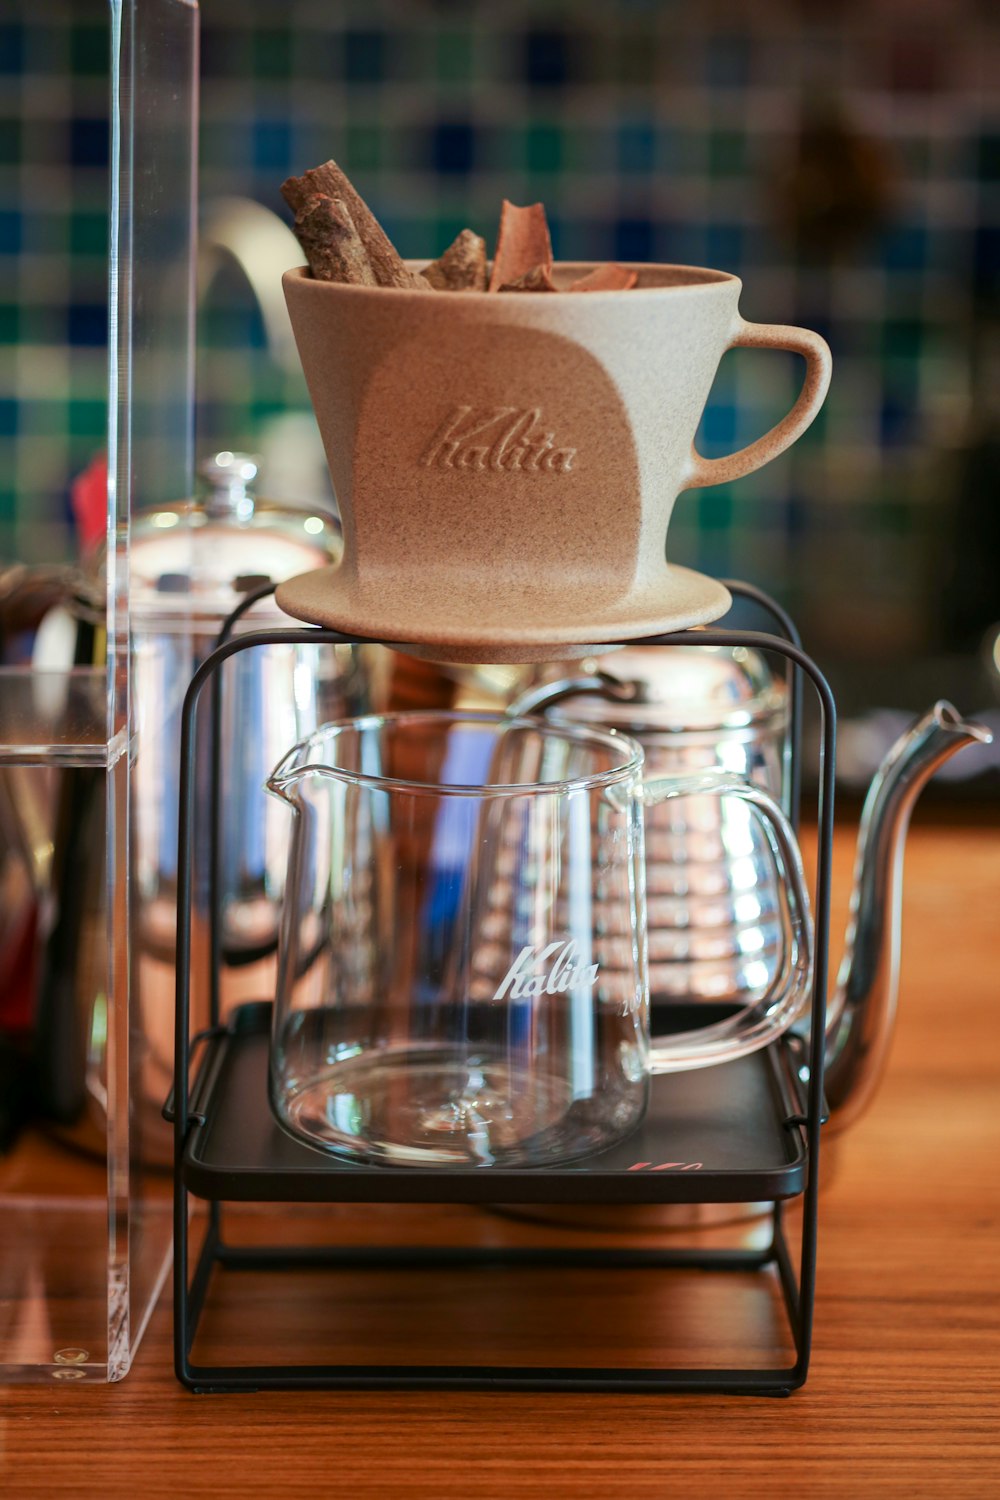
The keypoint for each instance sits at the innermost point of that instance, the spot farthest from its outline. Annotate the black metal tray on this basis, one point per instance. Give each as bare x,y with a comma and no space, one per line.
727,1134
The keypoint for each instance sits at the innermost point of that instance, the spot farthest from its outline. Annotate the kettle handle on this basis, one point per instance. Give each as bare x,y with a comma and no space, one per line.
765,1019
545,695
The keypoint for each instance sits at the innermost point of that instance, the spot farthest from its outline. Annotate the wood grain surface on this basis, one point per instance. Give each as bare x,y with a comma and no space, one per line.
904,1392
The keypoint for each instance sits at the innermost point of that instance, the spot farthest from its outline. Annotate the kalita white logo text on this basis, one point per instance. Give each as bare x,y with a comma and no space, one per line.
500,439
529,977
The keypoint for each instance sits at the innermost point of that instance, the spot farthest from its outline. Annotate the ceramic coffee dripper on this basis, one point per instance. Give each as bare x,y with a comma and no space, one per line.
462,974
506,465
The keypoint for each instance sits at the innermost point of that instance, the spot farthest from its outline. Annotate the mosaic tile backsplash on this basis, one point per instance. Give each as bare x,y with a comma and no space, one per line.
843,159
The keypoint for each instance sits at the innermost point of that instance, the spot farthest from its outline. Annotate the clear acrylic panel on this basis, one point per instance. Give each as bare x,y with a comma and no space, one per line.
84,1191
54,716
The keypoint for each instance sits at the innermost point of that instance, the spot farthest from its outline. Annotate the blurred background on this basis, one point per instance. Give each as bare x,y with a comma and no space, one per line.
842,157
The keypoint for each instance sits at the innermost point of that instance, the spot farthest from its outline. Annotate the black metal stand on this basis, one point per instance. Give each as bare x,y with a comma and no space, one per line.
744,1132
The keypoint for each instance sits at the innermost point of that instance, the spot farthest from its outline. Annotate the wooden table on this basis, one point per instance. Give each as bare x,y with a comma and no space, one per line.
904,1387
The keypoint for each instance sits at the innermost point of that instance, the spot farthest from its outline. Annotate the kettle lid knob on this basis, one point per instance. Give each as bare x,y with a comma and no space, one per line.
230,476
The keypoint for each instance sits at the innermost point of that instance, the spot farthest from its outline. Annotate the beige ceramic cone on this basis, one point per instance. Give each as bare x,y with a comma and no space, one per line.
506,465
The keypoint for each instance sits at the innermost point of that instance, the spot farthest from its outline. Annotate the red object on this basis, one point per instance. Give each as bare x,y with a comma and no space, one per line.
17,971
88,498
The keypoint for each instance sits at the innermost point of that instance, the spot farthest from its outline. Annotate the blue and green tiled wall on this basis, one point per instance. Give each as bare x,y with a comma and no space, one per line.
843,159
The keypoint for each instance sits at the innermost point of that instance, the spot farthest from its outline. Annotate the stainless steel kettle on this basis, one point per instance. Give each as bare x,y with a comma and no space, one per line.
190,565
711,914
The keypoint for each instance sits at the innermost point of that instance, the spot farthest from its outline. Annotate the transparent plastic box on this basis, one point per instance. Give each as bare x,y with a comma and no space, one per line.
84,1190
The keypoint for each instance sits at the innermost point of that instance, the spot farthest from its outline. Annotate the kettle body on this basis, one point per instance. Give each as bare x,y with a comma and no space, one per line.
714,909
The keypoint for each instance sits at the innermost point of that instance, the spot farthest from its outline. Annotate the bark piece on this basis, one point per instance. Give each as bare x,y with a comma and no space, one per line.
538,279
462,267
330,182
607,278
331,242
522,244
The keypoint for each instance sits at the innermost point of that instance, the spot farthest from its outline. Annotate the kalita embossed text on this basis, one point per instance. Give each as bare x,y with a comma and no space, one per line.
501,439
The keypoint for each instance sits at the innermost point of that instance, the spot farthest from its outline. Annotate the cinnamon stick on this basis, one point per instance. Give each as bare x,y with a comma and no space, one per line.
538,279
333,247
329,181
522,244
462,267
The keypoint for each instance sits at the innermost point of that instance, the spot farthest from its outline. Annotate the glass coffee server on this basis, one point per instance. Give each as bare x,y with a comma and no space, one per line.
746,1130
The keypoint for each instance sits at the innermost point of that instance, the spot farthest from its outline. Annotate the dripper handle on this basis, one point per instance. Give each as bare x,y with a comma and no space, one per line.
816,353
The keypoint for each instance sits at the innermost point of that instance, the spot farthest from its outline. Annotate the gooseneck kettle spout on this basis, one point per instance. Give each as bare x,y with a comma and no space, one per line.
862,1008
